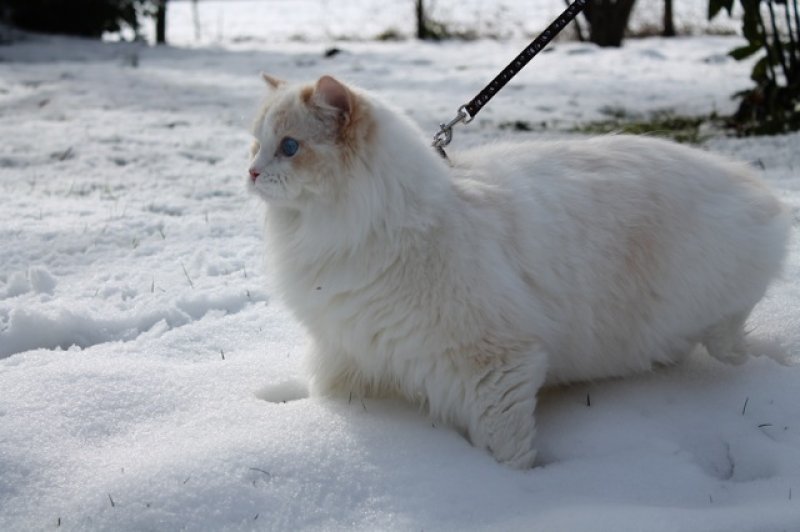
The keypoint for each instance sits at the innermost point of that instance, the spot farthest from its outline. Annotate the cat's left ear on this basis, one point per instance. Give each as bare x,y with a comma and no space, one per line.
272,81
331,93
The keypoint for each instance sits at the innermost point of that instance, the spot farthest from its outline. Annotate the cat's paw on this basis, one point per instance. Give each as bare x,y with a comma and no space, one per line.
503,418
725,340
734,356
507,431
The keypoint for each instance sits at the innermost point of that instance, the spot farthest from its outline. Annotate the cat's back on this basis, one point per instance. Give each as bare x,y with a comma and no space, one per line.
620,173
608,158
624,232
591,193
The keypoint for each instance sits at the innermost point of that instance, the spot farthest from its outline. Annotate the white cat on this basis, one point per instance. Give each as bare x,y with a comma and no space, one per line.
467,288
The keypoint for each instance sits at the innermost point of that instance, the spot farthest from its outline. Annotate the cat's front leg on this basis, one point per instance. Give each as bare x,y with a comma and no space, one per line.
334,373
501,418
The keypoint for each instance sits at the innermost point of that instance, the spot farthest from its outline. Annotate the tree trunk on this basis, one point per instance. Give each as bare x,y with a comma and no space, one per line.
161,21
422,26
669,23
608,20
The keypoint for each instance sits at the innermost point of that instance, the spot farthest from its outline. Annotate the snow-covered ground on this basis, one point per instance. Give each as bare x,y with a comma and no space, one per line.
149,380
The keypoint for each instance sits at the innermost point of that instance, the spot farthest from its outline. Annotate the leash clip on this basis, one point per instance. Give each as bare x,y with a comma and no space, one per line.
445,134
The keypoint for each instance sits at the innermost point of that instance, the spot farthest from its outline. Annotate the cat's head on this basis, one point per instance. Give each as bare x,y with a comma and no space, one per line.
307,138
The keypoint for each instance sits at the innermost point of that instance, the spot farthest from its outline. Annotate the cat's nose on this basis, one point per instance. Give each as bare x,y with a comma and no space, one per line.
254,174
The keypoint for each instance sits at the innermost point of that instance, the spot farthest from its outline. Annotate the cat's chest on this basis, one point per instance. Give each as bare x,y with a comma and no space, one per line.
327,294
365,310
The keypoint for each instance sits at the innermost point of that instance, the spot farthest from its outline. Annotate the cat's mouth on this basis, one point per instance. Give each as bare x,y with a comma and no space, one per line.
270,187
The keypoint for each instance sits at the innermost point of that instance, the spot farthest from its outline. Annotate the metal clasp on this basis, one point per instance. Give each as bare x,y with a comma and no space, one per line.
445,134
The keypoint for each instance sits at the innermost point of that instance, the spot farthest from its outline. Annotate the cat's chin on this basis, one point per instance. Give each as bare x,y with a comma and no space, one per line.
269,198
270,194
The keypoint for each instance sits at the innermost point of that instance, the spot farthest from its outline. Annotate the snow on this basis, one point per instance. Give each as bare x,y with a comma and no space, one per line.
149,380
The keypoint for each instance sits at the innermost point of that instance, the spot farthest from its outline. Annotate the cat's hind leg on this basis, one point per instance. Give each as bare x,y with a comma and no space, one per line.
725,340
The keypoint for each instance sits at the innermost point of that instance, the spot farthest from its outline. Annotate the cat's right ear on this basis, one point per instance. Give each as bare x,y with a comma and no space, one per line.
272,82
333,94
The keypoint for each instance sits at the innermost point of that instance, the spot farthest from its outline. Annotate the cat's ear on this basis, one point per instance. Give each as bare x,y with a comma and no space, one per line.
271,81
331,93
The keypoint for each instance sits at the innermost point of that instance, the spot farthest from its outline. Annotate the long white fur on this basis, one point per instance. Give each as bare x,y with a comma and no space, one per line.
467,288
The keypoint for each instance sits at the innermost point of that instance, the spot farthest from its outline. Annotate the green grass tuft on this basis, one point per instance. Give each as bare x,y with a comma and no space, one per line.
680,128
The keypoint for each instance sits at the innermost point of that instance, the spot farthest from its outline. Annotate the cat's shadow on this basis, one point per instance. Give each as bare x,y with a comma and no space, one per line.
581,421
694,409
296,388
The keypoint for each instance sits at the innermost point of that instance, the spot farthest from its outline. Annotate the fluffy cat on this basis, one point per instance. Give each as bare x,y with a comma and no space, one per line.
465,288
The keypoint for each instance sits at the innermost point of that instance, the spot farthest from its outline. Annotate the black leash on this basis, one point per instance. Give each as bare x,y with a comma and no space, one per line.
466,113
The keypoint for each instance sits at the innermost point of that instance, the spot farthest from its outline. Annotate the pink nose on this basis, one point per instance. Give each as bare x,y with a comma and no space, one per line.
254,174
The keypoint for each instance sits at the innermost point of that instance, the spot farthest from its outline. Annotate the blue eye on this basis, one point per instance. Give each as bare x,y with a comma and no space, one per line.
289,146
